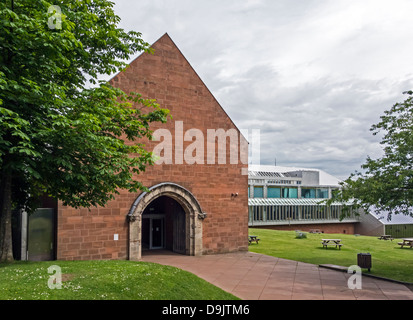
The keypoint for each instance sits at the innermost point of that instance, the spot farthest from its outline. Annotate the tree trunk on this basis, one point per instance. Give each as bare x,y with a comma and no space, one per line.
6,245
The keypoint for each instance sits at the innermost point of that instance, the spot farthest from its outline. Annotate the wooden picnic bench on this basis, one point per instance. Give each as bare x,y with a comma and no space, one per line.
253,238
407,242
331,242
386,237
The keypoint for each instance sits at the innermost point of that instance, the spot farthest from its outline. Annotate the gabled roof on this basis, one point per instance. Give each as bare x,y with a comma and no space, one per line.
175,48
395,218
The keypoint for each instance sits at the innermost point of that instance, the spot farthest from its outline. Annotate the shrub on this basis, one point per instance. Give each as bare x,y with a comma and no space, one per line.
300,235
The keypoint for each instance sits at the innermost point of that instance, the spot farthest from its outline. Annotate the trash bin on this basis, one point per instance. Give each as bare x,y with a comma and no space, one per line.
364,260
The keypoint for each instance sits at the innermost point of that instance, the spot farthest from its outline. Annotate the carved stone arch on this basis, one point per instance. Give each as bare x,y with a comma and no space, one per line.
193,215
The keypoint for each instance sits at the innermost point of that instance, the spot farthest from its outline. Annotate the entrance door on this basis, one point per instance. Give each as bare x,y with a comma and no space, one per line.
157,234
164,224
41,234
179,242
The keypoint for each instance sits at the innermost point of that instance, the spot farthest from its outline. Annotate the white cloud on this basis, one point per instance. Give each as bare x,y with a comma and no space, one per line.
312,75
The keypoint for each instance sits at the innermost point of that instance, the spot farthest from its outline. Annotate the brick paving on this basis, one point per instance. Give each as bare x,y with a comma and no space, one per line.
252,276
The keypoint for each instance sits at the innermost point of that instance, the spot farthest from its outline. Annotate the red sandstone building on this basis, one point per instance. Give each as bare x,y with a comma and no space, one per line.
192,208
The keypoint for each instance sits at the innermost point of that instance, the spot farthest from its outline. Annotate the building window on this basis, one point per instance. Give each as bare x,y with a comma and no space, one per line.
258,192
273,192
291,193
322,193
314,193
308,193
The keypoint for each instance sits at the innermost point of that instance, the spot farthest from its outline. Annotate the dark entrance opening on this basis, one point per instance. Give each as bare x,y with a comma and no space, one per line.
164,226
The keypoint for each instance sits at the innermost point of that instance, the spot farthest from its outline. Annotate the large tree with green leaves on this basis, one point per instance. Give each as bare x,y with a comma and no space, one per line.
64,132
386,184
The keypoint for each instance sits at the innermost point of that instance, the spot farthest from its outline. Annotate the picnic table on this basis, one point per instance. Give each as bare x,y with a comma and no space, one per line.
408,242
385,237
331,242
253,238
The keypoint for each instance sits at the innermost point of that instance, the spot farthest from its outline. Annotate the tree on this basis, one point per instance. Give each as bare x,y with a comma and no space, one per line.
386,184
64,132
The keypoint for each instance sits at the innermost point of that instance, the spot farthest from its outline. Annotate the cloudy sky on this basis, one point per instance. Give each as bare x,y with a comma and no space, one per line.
312,75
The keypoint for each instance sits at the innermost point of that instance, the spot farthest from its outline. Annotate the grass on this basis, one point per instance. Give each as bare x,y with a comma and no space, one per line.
104,280
128,280
388,259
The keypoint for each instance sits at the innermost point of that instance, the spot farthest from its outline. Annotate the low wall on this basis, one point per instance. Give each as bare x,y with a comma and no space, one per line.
345,228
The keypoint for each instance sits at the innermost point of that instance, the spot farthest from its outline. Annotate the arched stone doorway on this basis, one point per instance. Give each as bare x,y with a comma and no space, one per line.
164,226
191,222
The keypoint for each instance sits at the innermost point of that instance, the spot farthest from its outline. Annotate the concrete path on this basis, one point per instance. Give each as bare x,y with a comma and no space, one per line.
252,276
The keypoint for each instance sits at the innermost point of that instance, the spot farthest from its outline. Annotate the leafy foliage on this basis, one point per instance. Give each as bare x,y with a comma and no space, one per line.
386,184
63,131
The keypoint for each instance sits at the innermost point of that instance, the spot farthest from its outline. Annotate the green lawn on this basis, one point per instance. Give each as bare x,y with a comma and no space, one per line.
104,280
127,280
388,259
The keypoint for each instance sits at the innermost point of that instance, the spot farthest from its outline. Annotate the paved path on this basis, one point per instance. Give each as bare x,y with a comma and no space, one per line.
252,276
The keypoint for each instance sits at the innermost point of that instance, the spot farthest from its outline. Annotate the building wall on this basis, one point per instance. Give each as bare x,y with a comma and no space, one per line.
346,228
399,230
167,77
370,226
311,178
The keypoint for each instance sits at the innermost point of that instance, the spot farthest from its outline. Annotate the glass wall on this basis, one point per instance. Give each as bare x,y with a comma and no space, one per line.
308,193
291,193
322,193
312,193
288,213
258,192
273,192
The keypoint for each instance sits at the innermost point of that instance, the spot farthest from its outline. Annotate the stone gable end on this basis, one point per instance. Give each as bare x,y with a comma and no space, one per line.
221,190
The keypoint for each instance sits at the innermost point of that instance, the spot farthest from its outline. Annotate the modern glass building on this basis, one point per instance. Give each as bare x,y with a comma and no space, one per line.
294,198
